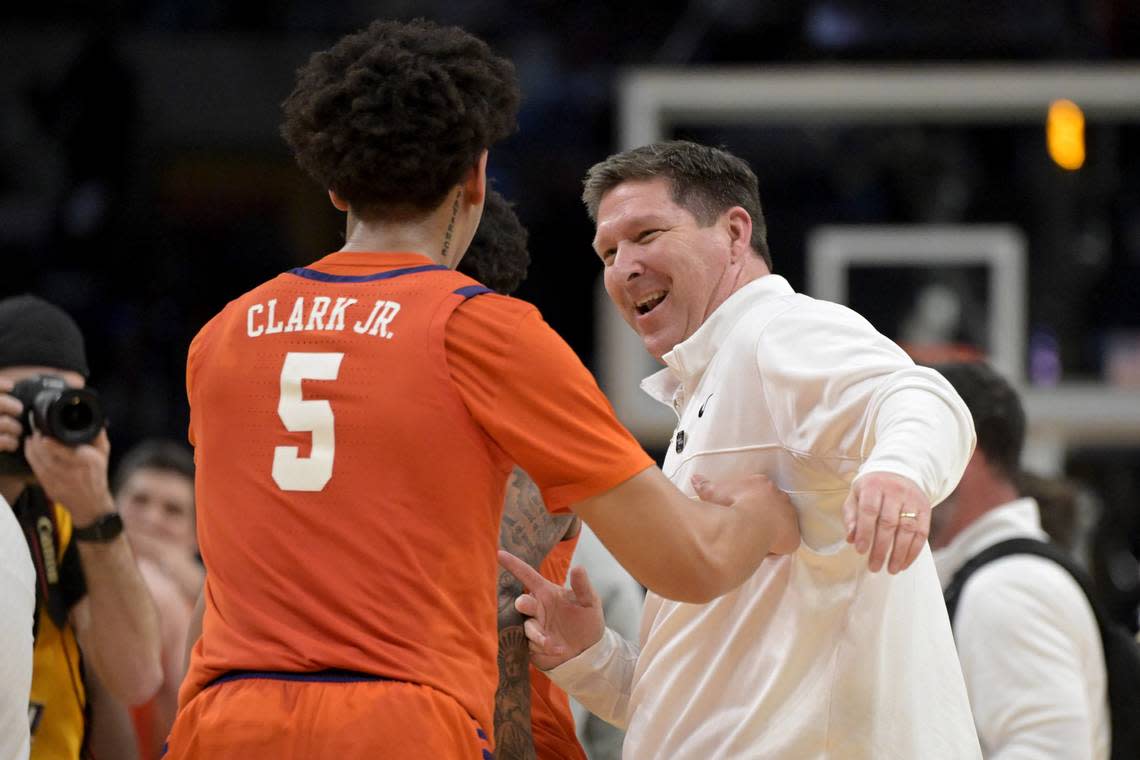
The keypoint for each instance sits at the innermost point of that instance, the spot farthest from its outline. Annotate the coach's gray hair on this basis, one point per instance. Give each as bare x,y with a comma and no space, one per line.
704,180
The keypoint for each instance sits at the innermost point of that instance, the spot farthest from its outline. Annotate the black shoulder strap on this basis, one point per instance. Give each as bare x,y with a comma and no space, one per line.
1023,546
59,576
1019,546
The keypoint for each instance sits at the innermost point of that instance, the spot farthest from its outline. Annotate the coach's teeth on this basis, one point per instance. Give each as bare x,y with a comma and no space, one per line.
650,301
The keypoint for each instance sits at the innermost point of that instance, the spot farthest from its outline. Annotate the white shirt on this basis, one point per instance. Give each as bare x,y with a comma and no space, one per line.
17,615
814,656
1029,644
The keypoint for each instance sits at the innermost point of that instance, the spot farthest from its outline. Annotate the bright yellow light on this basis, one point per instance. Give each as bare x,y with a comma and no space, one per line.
1065,134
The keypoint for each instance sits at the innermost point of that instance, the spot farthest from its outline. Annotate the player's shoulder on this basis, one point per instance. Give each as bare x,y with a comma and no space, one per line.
487,307
234,309
491,325
238,305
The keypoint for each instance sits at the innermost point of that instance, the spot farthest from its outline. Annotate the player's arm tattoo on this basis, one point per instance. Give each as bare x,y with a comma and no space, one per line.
513,738
529,532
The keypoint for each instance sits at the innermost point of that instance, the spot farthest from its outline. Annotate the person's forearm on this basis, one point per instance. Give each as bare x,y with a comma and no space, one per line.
513,738
601,678
922,431
681,548
529,532
121,636
730,545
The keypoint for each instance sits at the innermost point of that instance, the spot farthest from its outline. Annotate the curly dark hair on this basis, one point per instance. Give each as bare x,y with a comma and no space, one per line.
498,256
392,116
999,418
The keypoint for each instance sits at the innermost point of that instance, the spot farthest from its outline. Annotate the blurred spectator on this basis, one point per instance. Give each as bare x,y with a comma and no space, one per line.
1027,637
94,617
154,492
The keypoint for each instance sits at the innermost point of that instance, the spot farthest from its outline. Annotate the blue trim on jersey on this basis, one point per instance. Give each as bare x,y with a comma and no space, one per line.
324,676
313,274
470,291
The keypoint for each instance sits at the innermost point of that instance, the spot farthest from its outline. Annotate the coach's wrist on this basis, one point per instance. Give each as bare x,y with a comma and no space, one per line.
586,659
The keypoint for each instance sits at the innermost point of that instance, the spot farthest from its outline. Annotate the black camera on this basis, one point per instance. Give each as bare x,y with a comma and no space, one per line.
72,416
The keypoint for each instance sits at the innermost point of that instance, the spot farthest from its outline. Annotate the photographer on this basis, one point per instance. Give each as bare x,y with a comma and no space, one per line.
94,618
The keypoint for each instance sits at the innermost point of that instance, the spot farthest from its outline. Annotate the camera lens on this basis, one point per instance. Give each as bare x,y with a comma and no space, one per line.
73,416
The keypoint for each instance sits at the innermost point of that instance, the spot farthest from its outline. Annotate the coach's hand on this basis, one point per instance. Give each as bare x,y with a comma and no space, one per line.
561,622
887,514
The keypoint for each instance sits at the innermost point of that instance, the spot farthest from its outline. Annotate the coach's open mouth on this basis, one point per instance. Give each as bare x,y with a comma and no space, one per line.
650,301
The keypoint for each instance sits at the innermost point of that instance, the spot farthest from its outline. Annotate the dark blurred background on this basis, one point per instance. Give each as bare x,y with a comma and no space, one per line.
143,183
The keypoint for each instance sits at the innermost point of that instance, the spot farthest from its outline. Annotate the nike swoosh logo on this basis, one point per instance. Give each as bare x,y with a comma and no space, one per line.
701,411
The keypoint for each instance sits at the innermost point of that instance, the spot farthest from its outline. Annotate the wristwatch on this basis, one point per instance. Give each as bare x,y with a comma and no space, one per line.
106,527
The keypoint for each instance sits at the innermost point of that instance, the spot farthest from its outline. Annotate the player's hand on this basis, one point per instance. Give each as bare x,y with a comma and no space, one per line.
759,493
561,622
10,411
887,514
76,477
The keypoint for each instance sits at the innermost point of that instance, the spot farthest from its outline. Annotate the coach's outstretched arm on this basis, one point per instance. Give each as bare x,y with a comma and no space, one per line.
687,550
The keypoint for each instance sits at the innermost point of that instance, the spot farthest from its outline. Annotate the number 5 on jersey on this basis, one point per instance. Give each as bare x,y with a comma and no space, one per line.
290,471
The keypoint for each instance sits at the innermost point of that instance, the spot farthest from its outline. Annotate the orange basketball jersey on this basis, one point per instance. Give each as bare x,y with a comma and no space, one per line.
348,490
552,723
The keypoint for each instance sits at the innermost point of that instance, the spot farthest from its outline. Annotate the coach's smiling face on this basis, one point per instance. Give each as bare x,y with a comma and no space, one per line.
665,272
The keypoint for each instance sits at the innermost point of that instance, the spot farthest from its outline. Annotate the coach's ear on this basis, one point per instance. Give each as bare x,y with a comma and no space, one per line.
339,203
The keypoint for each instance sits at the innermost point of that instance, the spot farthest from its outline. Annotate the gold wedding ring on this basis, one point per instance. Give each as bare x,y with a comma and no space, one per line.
908,515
